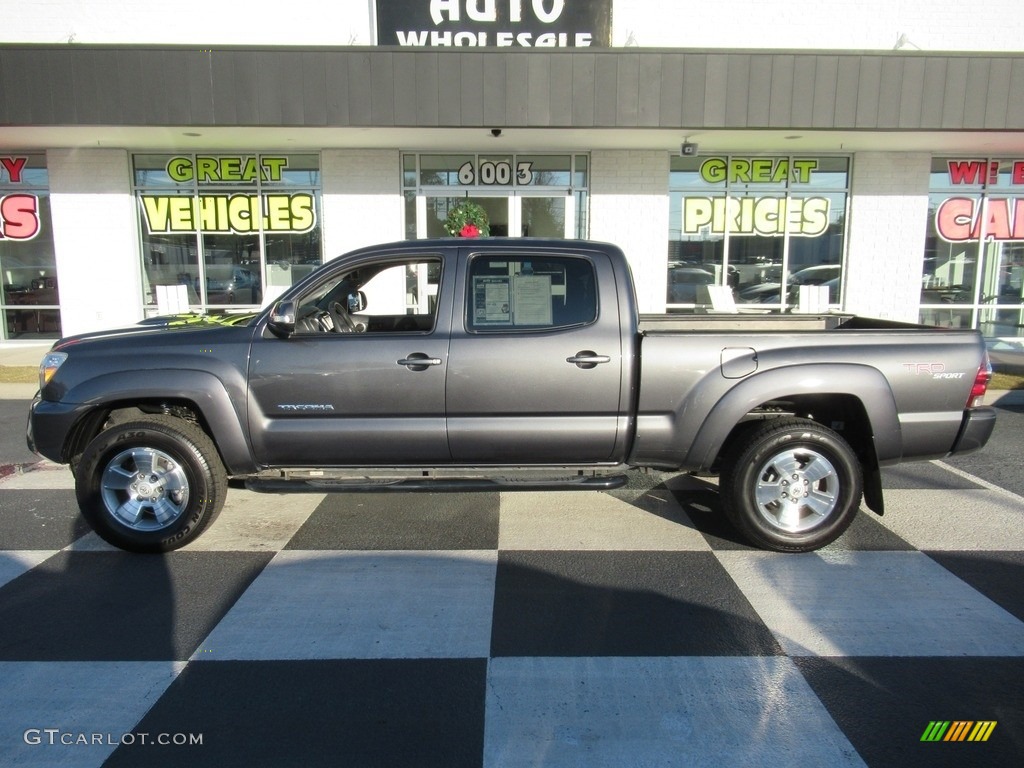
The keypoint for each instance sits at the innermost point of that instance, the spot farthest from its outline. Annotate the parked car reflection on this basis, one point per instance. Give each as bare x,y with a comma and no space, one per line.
820,274
683,282
243,287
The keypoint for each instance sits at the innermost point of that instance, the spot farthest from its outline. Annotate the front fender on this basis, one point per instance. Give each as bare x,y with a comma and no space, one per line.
209,394
863,382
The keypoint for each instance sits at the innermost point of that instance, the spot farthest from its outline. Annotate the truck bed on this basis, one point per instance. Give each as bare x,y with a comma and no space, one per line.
752,323
769,322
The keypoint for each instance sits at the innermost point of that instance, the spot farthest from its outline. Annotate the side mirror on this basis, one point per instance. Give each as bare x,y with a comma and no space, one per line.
282,319
356,302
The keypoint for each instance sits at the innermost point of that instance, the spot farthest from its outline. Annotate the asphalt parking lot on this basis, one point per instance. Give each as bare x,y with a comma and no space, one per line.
587,629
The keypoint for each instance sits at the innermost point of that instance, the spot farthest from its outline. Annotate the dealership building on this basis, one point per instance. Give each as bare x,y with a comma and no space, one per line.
217,154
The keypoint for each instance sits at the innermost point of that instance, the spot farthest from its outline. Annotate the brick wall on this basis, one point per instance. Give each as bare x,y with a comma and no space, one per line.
888,218
95,232
629,207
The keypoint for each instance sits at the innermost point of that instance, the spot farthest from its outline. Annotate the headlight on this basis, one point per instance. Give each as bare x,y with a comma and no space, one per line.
49,365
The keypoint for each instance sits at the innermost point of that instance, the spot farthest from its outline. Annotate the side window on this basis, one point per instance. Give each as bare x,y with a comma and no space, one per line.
525,293
401,297
398,296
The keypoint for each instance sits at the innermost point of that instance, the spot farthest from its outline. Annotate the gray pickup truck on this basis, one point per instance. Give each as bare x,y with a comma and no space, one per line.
499,364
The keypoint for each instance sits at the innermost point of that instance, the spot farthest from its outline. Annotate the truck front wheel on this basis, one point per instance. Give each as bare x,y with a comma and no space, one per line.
150,485
791,485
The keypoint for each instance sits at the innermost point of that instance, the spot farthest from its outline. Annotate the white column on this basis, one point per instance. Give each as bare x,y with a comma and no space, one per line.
362,199
629,207
95,238
886,237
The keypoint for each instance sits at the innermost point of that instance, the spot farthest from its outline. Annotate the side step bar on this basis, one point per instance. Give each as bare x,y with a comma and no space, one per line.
436,485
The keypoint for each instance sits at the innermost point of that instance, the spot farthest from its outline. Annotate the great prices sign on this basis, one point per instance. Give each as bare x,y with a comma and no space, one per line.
19,211
228,212
994,217
767,215
499,23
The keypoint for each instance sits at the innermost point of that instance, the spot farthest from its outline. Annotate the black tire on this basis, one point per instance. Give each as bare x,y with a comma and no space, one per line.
791,485
150,485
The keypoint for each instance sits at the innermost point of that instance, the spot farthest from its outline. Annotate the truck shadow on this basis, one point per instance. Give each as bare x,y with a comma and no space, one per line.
697,505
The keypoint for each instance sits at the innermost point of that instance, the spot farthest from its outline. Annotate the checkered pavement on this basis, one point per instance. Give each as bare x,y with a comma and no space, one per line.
564,629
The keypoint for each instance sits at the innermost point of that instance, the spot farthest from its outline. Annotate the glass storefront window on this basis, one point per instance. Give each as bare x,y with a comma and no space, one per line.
442,170
236,229
31,301
580,167
973,272
764,226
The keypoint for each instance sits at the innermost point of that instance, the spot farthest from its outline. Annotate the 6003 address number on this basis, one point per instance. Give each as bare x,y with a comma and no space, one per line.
496,173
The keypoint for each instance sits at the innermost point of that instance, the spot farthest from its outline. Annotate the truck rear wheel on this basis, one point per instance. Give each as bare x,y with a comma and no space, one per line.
791,485
150,485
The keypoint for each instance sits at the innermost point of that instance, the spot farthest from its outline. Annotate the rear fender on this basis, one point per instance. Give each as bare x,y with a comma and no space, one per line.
862,382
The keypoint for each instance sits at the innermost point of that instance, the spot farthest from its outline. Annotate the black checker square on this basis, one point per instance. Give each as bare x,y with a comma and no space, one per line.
386,713
119,606
401,521
602,603
999,576
885,705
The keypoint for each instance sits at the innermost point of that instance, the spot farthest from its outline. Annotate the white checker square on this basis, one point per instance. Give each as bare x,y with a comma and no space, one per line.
871,604
329,604
692,711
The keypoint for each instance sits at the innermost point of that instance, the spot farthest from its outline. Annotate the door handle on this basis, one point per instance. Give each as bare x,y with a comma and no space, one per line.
587,359
418,361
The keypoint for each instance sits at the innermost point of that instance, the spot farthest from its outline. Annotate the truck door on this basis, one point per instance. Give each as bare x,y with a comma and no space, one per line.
357,385
535,363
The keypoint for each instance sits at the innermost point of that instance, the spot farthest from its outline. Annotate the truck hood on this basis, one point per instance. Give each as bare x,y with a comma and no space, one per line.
153,326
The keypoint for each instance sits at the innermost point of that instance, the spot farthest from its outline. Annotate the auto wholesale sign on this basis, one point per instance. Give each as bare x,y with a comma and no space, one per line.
497,23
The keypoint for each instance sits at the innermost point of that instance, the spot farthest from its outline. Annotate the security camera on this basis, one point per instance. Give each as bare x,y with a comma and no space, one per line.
688,149
495,132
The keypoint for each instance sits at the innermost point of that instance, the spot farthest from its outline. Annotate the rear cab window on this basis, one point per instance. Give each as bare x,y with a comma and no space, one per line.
523,293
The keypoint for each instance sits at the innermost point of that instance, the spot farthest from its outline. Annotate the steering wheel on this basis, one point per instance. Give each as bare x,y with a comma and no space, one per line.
343,322
314,320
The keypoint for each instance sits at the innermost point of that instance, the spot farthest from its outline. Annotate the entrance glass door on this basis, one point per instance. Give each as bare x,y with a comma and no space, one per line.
524,194
545,216
510,214
432,212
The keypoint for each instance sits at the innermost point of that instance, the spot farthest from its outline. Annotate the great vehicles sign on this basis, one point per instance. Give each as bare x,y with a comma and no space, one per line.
499,23
229,212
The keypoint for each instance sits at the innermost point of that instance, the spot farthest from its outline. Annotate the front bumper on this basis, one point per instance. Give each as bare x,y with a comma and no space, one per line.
49,425
975,430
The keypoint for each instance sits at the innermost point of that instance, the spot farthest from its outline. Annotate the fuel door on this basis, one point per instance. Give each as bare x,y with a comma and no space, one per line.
738,362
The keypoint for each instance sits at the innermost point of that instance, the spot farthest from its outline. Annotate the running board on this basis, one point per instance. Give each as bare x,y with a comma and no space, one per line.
436,485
